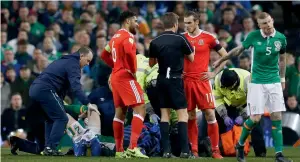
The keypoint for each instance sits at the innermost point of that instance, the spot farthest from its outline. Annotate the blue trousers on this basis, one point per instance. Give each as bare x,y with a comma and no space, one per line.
56,118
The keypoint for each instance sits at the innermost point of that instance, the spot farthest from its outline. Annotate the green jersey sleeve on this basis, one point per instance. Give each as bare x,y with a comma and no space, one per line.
249,40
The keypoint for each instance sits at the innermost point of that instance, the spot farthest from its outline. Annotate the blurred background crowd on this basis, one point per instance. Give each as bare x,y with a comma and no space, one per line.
34,34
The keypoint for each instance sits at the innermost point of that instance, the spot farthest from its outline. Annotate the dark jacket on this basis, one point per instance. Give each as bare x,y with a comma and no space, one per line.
12,120
62,75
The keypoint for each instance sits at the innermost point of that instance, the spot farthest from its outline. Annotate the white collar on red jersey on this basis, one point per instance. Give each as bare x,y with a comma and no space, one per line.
195,35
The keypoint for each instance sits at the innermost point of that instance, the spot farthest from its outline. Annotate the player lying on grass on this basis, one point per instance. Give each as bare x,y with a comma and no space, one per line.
74,129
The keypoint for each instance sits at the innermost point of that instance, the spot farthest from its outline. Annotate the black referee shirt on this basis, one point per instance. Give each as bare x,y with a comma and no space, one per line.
169,48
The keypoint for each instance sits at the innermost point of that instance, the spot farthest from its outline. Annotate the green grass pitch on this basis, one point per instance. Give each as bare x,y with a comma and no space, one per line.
292,153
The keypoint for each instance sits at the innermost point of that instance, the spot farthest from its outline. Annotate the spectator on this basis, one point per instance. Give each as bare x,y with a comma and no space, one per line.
23,15
37,54
13,118
292,105
293,79
255,11
51,14
10,75
36,29
244,62
150,13
9,60
100,71
224,33
40,66
22,56
22,35
248,26
67,26
211,5
26,27
179,9
84,39
157,25
22,84
49,50
4,44
100,21
203,7
203,19
113,28
5,93
56,37
210,28
228,20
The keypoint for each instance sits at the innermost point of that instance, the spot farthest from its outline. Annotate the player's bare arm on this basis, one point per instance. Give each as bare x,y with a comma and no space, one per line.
282,69
234,52
210,75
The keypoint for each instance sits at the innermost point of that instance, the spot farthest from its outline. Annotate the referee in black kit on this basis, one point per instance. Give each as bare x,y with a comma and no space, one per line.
169,50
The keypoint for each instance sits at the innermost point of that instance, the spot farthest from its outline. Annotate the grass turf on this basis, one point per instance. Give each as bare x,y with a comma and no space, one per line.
292,153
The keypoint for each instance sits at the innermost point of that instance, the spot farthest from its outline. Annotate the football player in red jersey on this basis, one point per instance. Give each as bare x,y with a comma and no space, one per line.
196,82
120,54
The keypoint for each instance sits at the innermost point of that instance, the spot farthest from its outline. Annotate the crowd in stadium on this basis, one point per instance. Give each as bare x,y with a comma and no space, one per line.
35,33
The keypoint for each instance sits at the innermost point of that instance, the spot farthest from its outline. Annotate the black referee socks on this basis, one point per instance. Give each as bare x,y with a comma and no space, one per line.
164,130
183,131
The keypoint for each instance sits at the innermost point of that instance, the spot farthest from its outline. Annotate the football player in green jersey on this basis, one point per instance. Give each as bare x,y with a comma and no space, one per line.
266,83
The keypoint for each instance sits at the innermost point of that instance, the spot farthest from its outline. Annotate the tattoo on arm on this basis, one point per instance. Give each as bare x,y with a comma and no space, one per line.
282,66
234,52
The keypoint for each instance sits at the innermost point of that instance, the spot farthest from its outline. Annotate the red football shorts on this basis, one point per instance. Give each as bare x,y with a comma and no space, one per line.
126,92
199,93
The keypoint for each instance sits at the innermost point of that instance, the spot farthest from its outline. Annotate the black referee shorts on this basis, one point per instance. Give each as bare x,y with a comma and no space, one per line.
171,93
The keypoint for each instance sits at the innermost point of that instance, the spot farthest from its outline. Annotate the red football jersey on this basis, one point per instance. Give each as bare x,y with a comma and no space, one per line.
202,44
123,52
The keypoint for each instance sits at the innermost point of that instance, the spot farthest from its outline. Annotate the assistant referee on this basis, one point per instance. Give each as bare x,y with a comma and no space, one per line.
169,50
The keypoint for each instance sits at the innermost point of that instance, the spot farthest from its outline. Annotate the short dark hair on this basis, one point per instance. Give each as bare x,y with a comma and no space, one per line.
244,56
227,9
192,13
22,42
169,20
126,15
16,93
228,78
85,50
10,67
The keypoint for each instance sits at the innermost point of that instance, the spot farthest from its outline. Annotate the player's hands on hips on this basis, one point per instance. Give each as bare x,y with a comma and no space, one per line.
207,76
239,121
228,122
93,107
216,63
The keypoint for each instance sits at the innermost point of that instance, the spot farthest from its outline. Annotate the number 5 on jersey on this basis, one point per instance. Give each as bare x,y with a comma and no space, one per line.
114,52
268,49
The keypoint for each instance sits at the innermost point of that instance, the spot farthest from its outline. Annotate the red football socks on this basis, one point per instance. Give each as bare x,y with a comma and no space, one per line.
136,128
118,126
193,134
213,133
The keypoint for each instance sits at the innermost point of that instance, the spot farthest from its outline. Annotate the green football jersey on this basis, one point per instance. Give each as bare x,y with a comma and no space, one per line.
265,56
